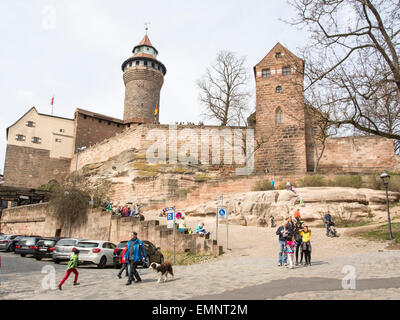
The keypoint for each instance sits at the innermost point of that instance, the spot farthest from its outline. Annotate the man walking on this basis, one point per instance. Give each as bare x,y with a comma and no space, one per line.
327,221
283,232
135,255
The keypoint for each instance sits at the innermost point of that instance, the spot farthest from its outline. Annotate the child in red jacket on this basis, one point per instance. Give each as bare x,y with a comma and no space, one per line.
123,262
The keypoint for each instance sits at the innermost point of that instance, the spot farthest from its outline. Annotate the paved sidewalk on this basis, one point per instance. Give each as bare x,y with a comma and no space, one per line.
218,279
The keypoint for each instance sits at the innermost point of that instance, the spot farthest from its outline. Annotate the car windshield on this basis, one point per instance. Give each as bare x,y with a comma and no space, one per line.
122,244
87,244
46,243
28,241
2,237
66,242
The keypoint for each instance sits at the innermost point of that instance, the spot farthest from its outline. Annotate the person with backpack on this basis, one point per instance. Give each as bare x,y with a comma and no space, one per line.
135,255
124,263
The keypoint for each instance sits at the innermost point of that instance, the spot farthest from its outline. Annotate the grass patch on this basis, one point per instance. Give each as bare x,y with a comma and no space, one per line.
381,233
346,181
200,177
262,185
187,258
313,181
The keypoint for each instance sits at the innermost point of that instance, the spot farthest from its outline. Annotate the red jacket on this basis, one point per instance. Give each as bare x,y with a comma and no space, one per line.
122,255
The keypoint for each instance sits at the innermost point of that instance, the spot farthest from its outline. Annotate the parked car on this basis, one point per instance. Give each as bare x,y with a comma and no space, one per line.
6,241
15,242
153,254
96,252
26,245
63,249
44,248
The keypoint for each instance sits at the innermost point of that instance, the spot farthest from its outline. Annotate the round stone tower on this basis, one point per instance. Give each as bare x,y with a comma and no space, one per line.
143,78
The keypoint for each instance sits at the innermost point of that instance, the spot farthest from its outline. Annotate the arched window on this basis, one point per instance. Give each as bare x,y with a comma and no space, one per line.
278,115
278,89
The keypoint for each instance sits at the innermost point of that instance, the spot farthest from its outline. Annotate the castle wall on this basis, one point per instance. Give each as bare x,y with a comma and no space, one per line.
358,154
101,225
30,168
90,130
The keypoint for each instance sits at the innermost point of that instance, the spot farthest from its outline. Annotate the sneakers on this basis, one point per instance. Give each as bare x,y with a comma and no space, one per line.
76,283
138,280
129,283
279,264
119,276
59,287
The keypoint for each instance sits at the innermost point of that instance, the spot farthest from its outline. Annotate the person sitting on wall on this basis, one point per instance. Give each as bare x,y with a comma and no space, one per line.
163,213
125,211
132,213
109,208
200,229
182,226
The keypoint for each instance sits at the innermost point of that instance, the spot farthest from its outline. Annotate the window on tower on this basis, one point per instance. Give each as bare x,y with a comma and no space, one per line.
266,73
278,55
145,63
278,115
278,89
137,63
286,70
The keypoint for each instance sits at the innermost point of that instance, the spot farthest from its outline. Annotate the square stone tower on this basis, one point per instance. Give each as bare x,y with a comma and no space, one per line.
280,113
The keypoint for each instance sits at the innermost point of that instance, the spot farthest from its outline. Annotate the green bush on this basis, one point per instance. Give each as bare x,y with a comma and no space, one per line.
262,185
313,181
346,181
394,183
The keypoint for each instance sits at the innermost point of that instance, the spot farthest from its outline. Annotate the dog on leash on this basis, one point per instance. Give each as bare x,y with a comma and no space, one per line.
163,269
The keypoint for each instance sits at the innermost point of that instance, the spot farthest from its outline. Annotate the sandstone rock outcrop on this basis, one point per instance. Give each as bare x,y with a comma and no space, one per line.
255,208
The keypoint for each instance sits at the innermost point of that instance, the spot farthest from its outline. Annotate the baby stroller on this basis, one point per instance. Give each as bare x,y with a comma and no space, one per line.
332,230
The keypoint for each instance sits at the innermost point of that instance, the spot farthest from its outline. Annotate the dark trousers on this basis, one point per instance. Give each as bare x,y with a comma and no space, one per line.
124,267
132,270
298,248
307,255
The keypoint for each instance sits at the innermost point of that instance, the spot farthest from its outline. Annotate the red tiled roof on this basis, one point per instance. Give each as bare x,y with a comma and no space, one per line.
145,41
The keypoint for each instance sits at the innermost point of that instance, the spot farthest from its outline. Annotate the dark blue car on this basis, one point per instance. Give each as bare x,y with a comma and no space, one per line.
26,246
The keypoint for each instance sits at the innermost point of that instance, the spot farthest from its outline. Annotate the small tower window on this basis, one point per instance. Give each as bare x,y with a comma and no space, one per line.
145,63
58,140
20,137
137,63
278,89
36,140
278,115
266,73
278,55
286,71
31,124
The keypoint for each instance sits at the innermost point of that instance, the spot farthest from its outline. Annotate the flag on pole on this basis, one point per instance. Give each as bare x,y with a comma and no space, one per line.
52,104
155,113
52,101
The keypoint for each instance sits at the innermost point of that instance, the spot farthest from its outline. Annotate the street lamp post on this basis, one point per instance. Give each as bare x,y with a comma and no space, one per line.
385,179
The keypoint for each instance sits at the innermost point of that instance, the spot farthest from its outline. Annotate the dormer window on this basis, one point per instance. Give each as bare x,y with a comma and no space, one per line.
286,71
266,73
36,140
278,55
20,137
278,89
31,124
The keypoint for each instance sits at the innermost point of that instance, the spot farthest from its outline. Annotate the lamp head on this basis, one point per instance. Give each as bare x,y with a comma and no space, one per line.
385,178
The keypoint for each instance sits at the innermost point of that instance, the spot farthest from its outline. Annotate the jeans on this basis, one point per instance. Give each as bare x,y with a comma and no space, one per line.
327,228
281,247
132,270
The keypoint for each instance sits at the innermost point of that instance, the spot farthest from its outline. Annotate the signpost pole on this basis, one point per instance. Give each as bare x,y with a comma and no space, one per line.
227,230
216,226
174,238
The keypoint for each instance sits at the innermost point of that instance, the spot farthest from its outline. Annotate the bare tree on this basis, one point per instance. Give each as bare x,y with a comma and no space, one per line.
223,90
352,62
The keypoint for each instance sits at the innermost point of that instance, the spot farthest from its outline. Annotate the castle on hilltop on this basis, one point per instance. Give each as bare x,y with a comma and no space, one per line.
42,148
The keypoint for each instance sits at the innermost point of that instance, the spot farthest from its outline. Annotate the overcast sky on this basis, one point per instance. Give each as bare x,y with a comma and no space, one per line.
74,50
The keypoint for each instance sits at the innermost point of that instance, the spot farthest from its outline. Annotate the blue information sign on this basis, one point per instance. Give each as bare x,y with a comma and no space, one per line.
221,212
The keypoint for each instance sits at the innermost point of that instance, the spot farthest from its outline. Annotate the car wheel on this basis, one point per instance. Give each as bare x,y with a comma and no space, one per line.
38,258
22,254
161,259
56,261
147,260
102,263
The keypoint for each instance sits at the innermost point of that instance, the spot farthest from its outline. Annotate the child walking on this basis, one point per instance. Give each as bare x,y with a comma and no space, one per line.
290,245
72,264
306,244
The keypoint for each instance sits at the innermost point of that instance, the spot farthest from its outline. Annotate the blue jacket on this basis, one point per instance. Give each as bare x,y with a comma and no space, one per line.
327,218
135,251
282,237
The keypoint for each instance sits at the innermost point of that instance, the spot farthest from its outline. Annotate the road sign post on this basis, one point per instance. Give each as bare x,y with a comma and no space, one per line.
171,224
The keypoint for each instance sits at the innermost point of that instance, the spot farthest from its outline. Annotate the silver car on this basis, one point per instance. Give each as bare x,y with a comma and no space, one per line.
96,252
63,249
6,241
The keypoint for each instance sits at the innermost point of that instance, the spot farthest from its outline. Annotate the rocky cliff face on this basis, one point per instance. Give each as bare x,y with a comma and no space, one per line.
255,208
